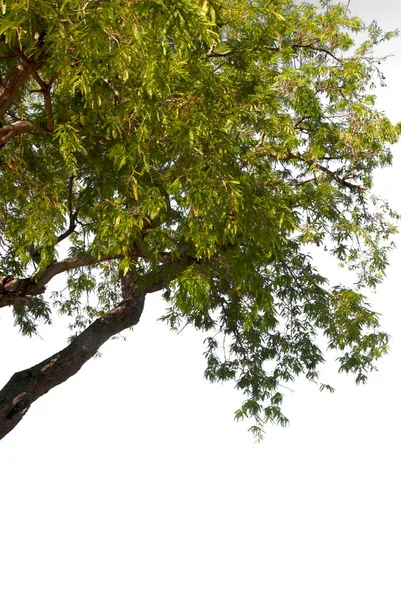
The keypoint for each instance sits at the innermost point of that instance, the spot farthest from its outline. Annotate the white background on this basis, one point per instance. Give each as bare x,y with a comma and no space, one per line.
132,481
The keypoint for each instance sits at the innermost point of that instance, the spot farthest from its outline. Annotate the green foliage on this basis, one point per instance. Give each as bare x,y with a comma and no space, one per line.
236,138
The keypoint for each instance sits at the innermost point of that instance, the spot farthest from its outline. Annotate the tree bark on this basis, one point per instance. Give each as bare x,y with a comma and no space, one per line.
26,386
18,76
16,79
16,291
17,128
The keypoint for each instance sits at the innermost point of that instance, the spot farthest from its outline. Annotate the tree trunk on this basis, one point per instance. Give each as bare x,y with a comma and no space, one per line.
26,386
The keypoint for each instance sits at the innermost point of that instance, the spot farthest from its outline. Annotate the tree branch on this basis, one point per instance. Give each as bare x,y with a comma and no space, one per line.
213,54
10,88
71,213
44,87
332,174
27,386
18,75
30,66
317,49
15,291
114,89
7,132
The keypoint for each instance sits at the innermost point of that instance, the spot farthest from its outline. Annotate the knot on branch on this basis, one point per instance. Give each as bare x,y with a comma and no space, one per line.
21,403
16,292
7,282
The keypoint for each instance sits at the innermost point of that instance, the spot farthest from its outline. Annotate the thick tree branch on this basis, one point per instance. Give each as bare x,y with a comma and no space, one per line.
15,291
74,263
14,129
10,88
26,386
18,75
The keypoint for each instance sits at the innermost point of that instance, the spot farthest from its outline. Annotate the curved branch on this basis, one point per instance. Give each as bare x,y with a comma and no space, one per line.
14,129
15,291
44,87
71,213
27,386
74,263
18,75
332,174
10,88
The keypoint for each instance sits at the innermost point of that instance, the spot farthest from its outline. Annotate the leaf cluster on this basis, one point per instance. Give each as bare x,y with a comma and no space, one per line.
212,148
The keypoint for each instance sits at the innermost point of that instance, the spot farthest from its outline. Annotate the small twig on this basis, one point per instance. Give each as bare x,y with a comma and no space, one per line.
72,215
317,49
219,54
113,88
332,174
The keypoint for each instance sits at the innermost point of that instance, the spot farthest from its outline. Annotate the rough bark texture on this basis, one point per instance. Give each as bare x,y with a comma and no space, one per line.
17,128
16,79
26,386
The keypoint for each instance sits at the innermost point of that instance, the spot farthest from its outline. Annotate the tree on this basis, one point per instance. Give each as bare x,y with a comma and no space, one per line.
208,149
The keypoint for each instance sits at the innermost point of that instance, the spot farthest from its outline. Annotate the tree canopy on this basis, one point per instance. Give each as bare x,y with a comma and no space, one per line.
208,149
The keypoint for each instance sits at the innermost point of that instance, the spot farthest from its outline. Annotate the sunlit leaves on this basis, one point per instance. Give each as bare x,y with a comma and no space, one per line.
235,140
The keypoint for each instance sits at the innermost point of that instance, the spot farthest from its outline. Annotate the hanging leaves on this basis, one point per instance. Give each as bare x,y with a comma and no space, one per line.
219,150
